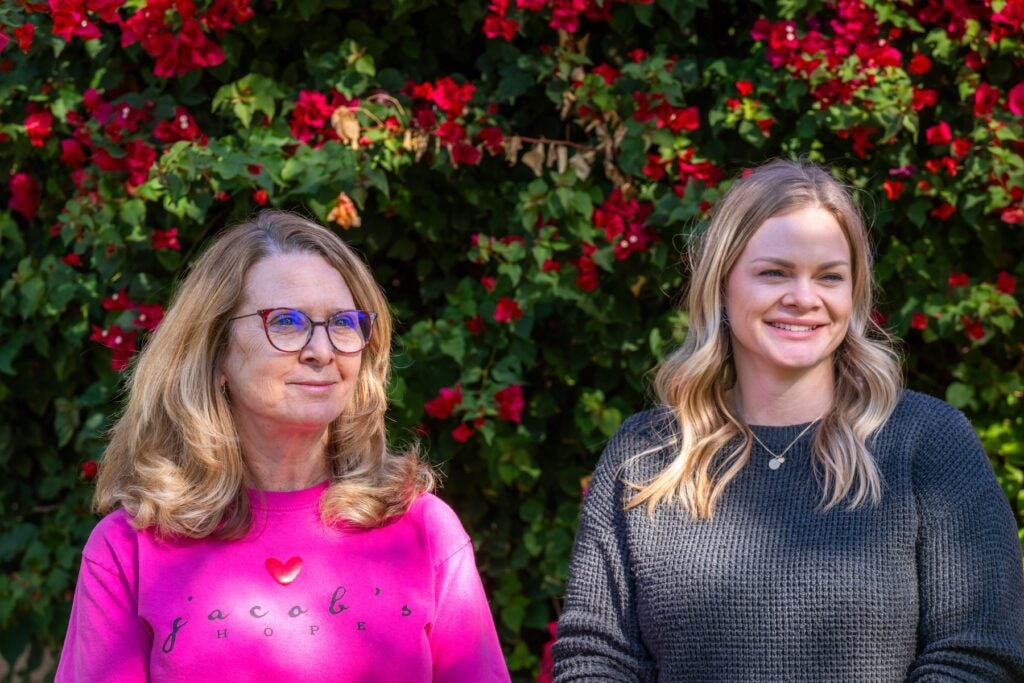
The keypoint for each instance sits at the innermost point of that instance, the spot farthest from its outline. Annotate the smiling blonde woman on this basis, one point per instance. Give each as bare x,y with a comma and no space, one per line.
789,513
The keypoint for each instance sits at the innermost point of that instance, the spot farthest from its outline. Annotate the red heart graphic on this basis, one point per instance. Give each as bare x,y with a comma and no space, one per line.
284,572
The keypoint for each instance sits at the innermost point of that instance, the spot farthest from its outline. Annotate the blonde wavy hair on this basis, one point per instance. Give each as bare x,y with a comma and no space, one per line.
694,379
174,461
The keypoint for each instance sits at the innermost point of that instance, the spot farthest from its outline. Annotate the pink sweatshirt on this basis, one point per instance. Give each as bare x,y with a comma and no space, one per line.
292,601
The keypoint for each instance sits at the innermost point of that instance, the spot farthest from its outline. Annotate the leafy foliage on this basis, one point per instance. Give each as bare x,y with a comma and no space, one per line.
521,178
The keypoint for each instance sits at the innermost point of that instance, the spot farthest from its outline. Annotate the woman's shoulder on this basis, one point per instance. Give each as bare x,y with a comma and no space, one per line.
439,523
930,420
112,541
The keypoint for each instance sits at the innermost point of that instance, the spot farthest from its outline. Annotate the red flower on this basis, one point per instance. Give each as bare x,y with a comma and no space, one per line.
744,88
475,325
961,146
24,195
918,321
985,98
1006,283
90,468
507,310
165,239
1012,215
550,266
310,114
655,167
71,153
181,127
24,35
450,132
463,153
939,134
69,20
462,433
924,98
510,403
972,328
149,316
609,74
1015,99
919,64
74,260
443,406
38,125
489,283
450,97
259,196
637,55
861,136
547,661
120,342
586,279
893,189
958,280
118,301
496,25
139,160
943,211
492,138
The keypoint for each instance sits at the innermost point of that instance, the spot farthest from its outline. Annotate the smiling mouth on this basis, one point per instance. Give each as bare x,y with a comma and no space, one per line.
794,328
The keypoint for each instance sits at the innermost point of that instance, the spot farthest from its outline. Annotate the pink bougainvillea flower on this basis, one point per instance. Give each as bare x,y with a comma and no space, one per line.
586,278
1006,283
943,211
74,260
139,159
939,134
498,26
923,98
71,153
450,132
507,310
609,74
492,138
24,35
149,316
443,406
961,146
489,283
1013,215
122,343
972,328
310,114
1015,99
919,64
450,97
181,127
222,15
25,192
475,325
958,280
462,433
165,239
118,301
744,88
90,468
465,154
893,189
70,20
260,197
510,403
550,266
918,321
38,125
547,660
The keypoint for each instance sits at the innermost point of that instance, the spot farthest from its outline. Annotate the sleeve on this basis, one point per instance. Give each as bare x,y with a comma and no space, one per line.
105,640
970,579
463,641
598,631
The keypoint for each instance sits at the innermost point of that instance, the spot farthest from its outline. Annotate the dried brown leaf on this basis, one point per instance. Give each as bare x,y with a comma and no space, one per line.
346,125
534,159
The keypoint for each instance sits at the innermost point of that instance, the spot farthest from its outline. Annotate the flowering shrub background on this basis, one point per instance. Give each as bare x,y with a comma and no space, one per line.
521,176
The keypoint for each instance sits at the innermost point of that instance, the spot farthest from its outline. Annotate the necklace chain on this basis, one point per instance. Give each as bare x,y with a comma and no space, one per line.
779,458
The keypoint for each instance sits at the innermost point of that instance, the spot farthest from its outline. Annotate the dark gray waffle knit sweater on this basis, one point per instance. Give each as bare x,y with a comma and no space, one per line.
927,586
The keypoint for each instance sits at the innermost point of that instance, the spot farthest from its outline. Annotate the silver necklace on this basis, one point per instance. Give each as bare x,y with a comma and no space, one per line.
779,458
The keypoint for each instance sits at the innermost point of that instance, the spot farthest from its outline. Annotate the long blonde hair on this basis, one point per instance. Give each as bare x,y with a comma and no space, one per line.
174,461
694,379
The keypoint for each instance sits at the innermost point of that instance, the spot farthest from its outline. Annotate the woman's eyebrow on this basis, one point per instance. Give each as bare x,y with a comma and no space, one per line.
790,264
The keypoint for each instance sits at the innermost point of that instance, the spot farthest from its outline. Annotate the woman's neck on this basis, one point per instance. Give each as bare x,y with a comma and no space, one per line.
289,461
763,400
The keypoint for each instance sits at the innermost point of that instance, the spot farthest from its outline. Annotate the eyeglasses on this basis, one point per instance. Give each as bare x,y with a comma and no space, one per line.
289,329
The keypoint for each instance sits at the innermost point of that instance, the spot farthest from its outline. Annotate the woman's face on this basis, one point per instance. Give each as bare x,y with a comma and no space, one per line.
302,391
789,296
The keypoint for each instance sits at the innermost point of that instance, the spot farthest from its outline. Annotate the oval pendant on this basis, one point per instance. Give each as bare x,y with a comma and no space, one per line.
774,463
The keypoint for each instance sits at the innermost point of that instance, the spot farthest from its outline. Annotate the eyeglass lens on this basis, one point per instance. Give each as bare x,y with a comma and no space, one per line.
289,329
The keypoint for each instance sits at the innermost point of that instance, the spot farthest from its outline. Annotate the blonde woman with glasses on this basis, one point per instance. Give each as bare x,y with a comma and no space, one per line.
257,526
790,513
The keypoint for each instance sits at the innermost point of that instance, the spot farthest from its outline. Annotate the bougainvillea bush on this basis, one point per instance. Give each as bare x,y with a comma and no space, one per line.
522,177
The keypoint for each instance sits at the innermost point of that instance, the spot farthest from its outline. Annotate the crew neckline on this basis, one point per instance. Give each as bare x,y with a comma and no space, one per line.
287,500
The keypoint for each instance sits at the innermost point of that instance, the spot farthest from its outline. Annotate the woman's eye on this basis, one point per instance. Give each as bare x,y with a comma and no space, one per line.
832,277
771,273
287,319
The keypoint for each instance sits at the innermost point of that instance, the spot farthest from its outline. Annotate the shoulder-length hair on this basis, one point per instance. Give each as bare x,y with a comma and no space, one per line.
694,379
174,460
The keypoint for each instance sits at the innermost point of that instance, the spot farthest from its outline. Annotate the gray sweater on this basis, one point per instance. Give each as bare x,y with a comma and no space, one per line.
926,586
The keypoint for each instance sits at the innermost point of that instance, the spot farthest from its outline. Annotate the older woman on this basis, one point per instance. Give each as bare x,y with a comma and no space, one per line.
789,513
257,526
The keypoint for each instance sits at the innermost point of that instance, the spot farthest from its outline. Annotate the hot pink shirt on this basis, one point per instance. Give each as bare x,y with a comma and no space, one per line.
292,601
